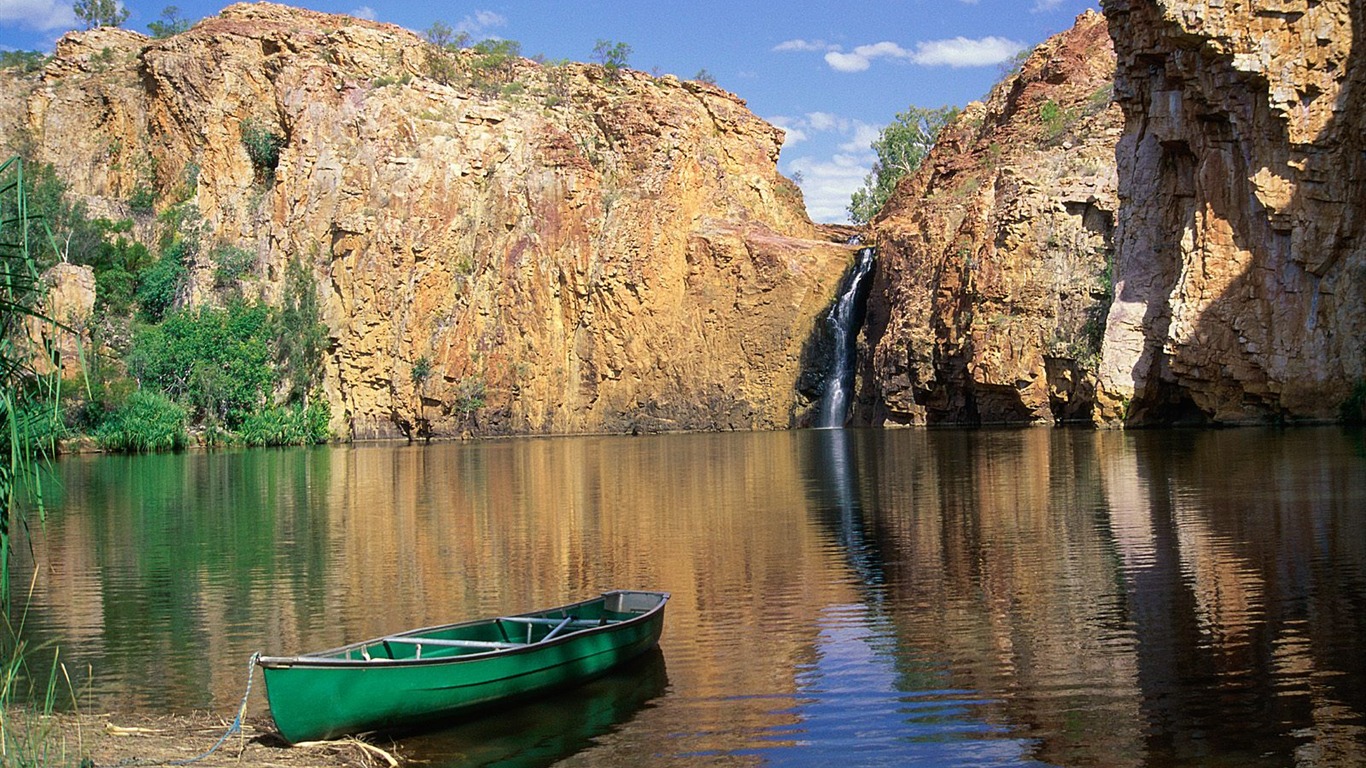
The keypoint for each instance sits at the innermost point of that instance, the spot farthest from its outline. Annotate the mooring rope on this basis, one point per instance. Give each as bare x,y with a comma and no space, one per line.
236,722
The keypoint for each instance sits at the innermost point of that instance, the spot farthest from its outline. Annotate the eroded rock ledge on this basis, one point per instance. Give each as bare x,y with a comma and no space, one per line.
1241,278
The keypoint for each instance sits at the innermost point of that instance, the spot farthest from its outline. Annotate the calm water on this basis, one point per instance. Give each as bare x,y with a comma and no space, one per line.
1032,597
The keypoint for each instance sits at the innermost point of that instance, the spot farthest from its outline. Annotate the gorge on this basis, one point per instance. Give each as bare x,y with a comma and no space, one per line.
1153,220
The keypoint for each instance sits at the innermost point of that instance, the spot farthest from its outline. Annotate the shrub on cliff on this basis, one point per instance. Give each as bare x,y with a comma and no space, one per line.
263,147
612,56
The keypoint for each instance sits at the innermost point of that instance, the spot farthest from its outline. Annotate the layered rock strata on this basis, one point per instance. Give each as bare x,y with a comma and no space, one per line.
523,248
1241,272
992,283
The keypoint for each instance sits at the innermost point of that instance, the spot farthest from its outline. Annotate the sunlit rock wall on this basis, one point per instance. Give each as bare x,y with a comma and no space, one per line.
992,279
561,250
1241,272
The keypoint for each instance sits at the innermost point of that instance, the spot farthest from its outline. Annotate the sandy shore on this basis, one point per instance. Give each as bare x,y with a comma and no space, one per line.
105,740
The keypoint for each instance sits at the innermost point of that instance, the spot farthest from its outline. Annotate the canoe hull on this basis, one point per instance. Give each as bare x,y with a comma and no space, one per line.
332,693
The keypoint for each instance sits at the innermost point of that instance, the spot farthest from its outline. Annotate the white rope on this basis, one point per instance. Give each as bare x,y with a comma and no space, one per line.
237,721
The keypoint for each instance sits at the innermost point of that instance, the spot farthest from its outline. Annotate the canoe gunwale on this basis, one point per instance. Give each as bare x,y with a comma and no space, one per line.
333,657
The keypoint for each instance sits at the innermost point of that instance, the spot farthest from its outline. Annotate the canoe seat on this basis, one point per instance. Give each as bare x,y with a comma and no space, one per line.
434,641
574,623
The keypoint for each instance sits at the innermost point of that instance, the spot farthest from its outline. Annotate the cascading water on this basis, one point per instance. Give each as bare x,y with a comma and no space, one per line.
845,320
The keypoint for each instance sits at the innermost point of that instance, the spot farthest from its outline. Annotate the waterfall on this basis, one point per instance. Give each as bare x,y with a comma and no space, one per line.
844,321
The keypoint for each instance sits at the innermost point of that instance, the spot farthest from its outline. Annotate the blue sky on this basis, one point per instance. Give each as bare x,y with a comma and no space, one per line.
832,73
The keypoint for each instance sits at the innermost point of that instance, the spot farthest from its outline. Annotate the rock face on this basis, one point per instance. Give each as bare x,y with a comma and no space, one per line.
992,282
68,303
1241,277
522,249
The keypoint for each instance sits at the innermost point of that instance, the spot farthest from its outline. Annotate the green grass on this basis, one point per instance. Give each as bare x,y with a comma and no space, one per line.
146,423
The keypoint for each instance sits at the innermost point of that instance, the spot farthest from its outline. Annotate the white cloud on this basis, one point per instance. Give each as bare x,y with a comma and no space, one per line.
365,12
828,182
802,45
824,121
861,57
480,22
1040,6
955,52
861,138
37,14
827,185
963,52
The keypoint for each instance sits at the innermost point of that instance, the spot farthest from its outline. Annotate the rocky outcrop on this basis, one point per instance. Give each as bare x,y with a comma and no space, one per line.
992,282
524,248
1241,271
68,303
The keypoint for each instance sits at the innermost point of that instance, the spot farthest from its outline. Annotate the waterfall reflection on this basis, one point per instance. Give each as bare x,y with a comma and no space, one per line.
867,689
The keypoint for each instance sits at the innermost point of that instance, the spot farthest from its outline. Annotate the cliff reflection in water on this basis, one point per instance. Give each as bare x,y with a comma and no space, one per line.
1071,598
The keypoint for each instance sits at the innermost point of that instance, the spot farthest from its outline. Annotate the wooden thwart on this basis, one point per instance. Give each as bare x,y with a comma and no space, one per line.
452,643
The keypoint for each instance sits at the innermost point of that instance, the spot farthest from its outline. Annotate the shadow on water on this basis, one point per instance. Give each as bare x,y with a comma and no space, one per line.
550,729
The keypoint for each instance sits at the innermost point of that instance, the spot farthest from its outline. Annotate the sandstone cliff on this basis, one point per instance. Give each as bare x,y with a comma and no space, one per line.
993,281
1241,277
564,250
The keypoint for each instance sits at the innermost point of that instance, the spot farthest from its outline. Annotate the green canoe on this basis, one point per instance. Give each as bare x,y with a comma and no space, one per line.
424,675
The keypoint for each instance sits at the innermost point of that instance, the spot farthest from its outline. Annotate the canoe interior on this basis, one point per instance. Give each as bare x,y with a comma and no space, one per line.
492,635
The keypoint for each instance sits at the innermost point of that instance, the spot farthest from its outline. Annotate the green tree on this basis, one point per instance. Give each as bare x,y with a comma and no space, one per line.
612,56
171,23
303,337
219,361
494,62
901,147
442,36
100,13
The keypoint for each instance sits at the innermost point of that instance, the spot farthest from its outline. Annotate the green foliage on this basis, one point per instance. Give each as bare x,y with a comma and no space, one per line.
441,35
263,146
287,425
22,393
469,396
302,336
100,13
219,361
114,289
230,264
146,423
901,147
422,370
23,61
612,56
171,23
494,64
703,76
1054,119
441,65
160,284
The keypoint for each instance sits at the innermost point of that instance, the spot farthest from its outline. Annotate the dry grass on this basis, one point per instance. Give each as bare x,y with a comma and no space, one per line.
142,740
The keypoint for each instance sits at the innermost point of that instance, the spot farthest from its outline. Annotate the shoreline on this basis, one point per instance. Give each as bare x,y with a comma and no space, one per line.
111,739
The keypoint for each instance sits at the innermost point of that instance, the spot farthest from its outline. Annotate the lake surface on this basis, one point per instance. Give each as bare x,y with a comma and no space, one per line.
1015,598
